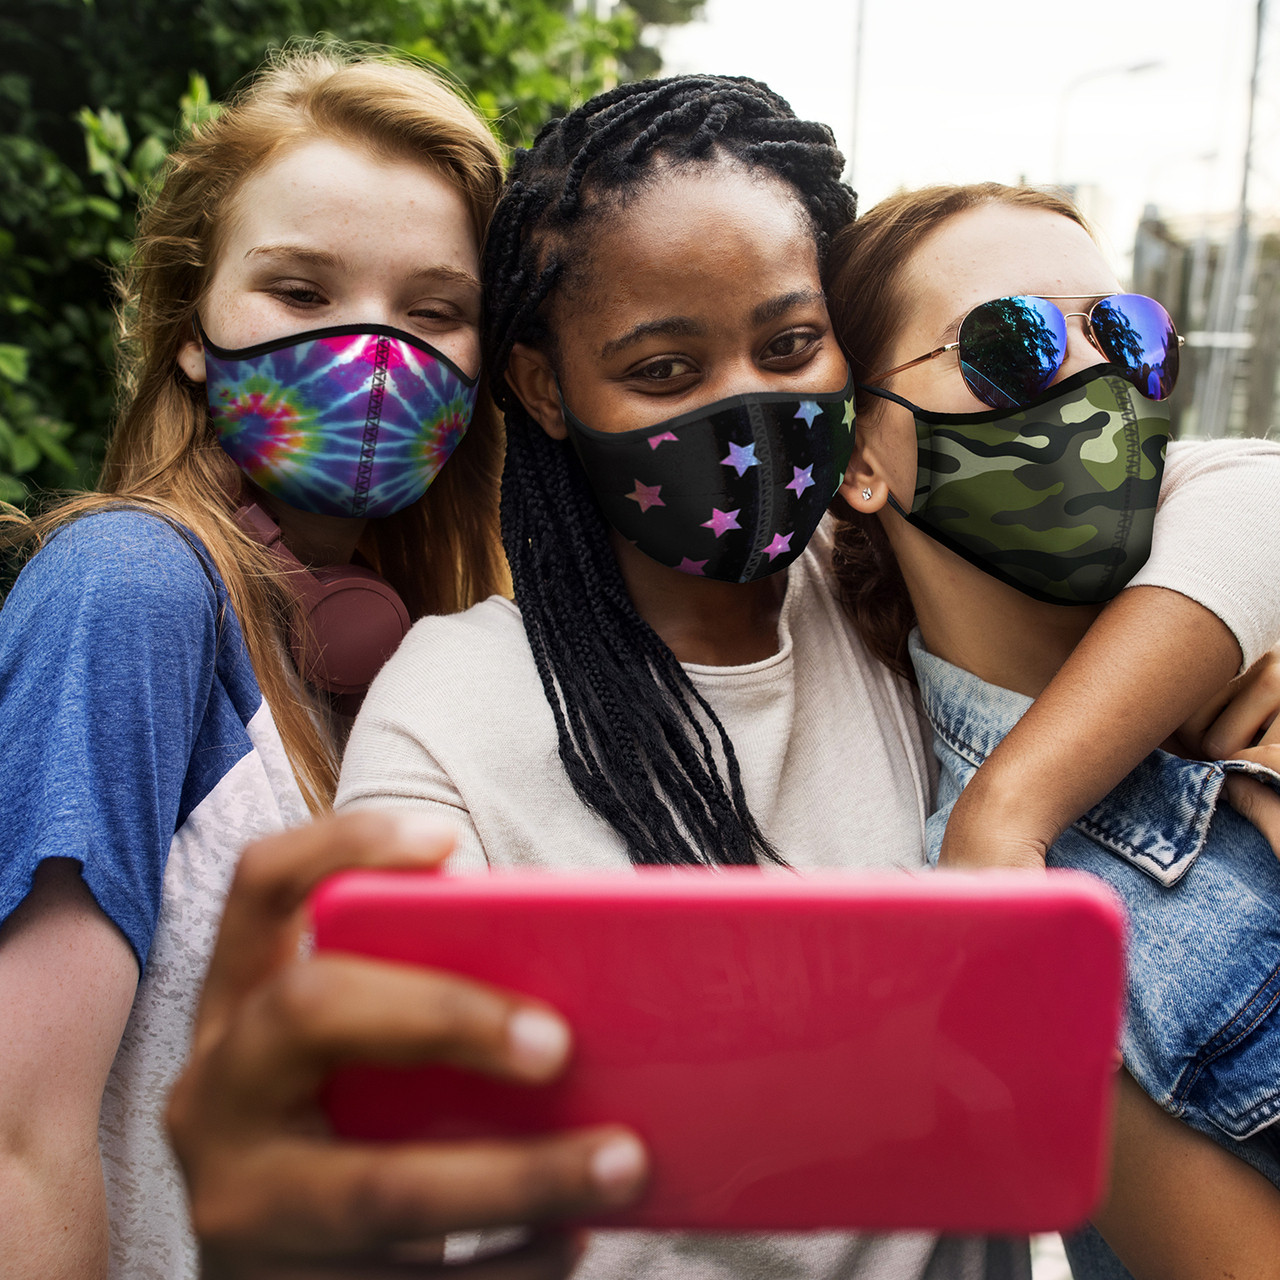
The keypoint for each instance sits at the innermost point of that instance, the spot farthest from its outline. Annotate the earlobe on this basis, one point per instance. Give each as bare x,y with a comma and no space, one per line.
191,361
865,487
530,375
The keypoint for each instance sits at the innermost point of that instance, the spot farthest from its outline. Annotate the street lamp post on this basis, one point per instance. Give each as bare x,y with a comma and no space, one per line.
849,161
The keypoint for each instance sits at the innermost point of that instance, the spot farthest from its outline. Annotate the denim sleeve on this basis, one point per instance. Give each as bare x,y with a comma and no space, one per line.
108,645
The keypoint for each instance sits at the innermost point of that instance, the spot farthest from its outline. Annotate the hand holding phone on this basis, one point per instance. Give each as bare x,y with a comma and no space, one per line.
880,1052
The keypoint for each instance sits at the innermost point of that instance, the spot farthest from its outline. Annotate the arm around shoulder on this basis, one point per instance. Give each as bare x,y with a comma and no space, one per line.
1208,598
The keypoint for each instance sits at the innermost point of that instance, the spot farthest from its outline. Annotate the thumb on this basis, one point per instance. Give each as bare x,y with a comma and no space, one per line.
1256,801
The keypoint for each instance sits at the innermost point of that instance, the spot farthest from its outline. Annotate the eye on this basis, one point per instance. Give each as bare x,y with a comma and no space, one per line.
791,349
440,315
298,295
665,369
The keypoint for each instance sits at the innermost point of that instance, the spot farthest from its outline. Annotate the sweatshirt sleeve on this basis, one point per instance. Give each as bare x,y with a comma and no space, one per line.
1217,536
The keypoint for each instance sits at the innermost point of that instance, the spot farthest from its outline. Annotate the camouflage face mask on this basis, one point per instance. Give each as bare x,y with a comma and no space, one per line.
1056,498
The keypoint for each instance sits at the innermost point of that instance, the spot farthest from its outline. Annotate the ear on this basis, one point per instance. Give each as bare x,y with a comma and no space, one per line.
865,475
531,377
191,361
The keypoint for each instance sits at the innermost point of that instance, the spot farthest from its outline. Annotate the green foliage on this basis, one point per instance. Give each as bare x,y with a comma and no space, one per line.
91,93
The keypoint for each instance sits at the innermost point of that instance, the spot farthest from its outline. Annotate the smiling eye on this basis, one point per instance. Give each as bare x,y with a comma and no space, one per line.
439,316
792,347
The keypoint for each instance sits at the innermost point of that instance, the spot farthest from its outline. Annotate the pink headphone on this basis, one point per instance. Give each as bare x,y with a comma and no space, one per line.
354,619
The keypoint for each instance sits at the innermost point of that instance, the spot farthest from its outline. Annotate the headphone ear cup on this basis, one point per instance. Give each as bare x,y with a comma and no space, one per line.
354,623
353,620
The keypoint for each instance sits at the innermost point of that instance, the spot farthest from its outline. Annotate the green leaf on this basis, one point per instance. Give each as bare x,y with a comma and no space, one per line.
103,208
13,362
50,447
24,455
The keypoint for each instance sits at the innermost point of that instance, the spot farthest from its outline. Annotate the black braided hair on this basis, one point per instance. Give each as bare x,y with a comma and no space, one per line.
640,744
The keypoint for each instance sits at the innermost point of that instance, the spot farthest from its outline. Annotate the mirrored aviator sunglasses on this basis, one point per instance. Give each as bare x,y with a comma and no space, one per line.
1012,348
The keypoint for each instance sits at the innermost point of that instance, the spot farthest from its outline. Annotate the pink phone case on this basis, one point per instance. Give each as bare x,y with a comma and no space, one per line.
878,1052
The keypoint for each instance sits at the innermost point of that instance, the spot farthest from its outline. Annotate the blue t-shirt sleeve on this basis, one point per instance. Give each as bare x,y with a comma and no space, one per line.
108,650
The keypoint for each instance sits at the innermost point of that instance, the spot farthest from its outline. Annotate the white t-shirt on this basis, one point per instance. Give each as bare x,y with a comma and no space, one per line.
835,767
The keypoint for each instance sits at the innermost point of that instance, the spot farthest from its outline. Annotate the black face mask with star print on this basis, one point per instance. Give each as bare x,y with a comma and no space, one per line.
732,491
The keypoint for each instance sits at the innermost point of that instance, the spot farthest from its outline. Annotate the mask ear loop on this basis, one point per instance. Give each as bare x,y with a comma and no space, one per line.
911,409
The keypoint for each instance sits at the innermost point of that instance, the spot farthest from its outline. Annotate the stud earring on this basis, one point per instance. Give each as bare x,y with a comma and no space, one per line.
866,495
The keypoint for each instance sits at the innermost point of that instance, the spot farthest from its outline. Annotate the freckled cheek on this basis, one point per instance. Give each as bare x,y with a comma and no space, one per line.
462,348
236,318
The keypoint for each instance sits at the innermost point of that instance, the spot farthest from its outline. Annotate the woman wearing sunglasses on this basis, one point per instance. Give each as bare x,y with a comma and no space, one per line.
1012,424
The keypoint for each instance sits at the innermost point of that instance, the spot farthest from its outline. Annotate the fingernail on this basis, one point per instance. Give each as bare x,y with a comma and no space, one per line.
539,1040
618,1166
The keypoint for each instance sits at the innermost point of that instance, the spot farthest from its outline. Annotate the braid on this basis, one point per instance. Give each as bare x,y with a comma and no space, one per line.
641,746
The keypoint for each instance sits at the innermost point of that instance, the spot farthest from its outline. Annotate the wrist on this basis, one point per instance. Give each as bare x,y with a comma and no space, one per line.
995,824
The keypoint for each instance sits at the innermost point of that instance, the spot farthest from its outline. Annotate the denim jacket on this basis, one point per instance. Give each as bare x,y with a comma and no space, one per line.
1201,890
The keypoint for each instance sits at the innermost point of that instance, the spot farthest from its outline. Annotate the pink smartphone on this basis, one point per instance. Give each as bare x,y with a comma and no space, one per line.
876,1052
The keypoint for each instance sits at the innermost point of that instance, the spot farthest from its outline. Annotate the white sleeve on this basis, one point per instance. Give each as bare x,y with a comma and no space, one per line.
1217,536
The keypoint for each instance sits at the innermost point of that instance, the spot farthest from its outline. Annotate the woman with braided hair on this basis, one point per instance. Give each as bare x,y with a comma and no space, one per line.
679,415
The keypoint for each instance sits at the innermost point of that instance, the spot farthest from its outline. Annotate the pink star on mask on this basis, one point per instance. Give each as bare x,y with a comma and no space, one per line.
722,520
781,542
647,496
802,480
692,566
655,441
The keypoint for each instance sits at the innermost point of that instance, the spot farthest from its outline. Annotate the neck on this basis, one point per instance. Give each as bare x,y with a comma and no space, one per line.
718,624
977,622
316,540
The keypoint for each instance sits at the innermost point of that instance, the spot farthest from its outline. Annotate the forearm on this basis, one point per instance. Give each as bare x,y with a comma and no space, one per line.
1179,1206
1151,659
67,979
53,1215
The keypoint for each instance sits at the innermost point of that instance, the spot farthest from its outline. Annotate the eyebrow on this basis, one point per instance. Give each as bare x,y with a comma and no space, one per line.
669,327
335,262
687,327
304,253
784,302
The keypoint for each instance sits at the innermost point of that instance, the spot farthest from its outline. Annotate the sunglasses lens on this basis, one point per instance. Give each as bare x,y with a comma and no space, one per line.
1010,349
1136,333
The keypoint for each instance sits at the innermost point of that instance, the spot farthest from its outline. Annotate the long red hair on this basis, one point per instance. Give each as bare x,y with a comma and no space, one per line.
443,553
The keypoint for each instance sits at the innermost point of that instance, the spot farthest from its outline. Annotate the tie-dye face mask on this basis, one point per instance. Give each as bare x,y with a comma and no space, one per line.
355,420
732,491
1056,498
